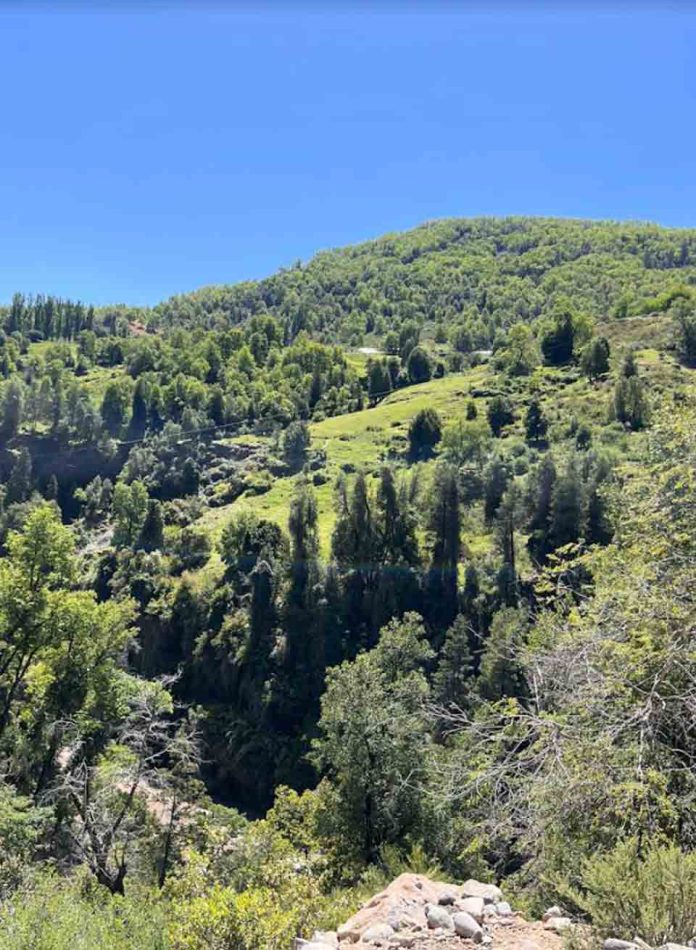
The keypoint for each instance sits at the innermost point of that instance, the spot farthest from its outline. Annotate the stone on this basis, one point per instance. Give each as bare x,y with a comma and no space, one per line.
474,906
348,934
329,937
639,942
554,911
489,892
403,940
447,898
466,926
611,943
377,932
438,917
674,946
558,924
503,908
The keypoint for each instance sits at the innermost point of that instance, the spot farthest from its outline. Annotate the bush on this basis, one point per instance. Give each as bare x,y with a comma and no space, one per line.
500,414
75,914
652,895
418,366
424,432
295,444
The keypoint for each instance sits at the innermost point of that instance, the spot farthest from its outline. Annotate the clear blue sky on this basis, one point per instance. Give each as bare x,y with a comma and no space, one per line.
144,154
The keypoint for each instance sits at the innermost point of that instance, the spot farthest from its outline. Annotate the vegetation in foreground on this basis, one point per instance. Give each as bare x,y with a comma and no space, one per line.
428,607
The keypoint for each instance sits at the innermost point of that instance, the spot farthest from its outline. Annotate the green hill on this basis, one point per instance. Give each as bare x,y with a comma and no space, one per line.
395,548
481,273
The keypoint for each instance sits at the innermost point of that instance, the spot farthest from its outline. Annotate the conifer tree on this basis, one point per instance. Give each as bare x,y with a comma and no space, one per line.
424,432
444,531
535,423
138,420
567,507
496,477
500,414
453,678
51,489
540,543
152,531
595,358
12,410
20,481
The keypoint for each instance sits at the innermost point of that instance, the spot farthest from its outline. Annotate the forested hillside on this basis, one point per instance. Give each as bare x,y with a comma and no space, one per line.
471,275
383,562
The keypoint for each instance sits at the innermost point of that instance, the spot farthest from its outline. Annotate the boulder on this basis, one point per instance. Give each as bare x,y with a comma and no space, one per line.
503,908
611,943
449,897
438,917
474,906
403,940
558,924
554,911
466,926
329,937
348,933
402,905
378,932
489,892
674,946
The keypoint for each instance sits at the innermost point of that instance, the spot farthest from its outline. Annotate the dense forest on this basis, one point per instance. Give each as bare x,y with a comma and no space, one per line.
386,561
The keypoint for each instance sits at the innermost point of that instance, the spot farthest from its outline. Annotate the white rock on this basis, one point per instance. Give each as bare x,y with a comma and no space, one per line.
438,917
611,943
558,924
489,892
503,908
674,946
474,906
329,937
554,911
377,932
466,926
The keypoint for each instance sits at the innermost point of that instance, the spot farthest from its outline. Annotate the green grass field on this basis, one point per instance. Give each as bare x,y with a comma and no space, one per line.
358,440
364,440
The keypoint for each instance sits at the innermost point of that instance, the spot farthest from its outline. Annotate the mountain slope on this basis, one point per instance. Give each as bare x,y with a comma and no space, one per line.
486,272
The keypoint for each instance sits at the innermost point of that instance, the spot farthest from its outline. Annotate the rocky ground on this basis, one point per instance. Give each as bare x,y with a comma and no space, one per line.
417,913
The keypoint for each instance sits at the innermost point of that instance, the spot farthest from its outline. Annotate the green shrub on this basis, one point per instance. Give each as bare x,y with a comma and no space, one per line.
652,894
75,914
